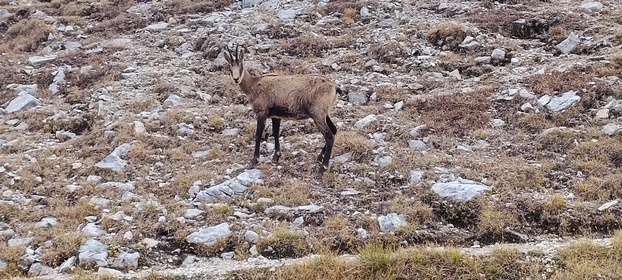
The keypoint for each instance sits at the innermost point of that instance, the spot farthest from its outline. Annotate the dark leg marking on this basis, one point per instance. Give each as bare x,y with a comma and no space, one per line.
276,123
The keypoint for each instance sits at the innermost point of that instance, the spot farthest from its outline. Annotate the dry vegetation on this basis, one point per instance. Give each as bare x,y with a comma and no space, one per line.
532,172
581,260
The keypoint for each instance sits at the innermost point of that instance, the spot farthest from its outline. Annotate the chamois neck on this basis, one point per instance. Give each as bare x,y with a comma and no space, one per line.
248,81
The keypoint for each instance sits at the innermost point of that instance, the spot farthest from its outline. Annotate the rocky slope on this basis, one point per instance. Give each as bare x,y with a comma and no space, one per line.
124,143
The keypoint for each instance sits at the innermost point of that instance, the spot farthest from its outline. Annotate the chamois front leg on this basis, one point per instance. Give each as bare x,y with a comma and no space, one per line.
261,124
276,123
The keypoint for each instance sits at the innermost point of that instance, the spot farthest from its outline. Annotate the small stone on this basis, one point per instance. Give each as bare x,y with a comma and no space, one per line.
398,106
384,161
128,235
298,221
39,60
464,149
39,269
209,235
114,161
498,54
150,243
560,103
227,256
364,122
612,129
482,60
312,209
455,75
362,233
497,123
287,14
342,158
526,107
139,128
417,145
416,176
253,250
172,101
192,213
47,222
129,186
349,192
30,89
93,179
92,230
62,135
126,260
460,190
259,28
545,99
93,252
22,102
109,272
159,26
391,222
189,260
608,205
592,7
251,237
19,242
230,132
602,114
364,12
67,265
357,98
568,45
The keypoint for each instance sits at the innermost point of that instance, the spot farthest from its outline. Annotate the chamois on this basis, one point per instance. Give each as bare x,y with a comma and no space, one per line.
288,97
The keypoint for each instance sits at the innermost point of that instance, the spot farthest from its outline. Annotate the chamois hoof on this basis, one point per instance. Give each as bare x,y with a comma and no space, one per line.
321,169
320,158
253,162
276,157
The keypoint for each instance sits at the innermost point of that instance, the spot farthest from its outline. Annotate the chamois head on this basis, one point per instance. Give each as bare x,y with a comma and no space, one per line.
236,63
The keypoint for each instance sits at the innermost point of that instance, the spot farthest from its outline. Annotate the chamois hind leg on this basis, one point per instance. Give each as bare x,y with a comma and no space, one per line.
261,125
324,127
333,129
276,123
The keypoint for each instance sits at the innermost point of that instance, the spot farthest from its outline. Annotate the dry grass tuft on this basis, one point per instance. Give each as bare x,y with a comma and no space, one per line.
352,142
596,157
492,221
26,35
123,23
572,79
13,257
600,188
313,46
454,115
65,246
446,34
614,67
176,7
284,243
387,52
587,260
